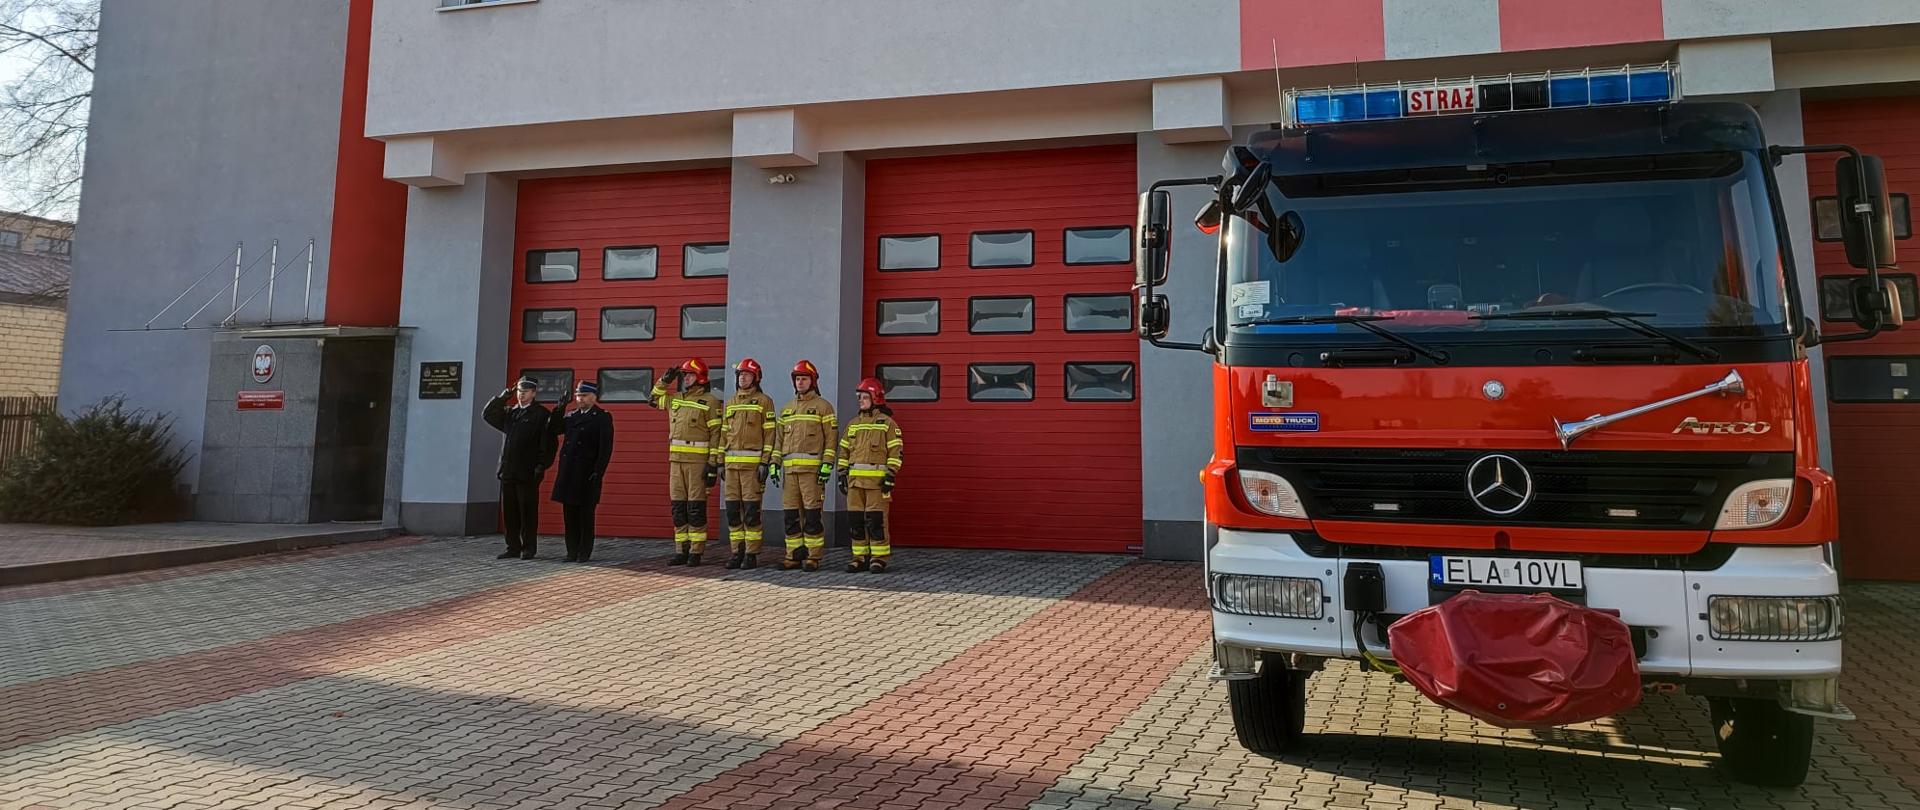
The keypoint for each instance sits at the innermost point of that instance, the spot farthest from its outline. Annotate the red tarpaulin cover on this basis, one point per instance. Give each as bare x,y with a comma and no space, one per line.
1519,661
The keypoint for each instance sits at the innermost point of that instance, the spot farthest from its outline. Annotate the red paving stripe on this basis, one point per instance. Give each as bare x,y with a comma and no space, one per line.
44,709
997,725
37,590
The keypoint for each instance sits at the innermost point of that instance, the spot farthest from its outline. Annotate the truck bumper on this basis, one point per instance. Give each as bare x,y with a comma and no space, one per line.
1667,607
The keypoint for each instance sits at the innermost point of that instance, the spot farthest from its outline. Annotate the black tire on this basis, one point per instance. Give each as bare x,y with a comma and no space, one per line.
1269,711
1760,742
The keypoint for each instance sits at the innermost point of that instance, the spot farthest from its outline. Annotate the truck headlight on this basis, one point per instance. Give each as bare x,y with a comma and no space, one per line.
1755,504
1774,618
1281,597
1271,494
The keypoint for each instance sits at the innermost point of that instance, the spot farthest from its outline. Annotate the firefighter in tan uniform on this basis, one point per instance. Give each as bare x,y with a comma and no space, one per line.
748,427
802,466
693,453
870,458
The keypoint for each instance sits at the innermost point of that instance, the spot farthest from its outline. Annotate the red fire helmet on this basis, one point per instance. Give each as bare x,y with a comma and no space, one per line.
695,368
748,365
805,368
871,387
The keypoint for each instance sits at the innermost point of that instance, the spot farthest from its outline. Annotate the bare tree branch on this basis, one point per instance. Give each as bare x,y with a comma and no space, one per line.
44,106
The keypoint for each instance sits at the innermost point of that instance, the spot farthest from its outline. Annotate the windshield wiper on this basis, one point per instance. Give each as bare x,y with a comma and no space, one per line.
1626,320
1363,321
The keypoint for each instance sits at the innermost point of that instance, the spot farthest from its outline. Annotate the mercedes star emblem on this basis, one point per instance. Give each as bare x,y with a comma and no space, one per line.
1499,484
1494,389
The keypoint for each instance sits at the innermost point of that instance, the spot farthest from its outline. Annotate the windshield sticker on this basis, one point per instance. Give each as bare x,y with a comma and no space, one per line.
1284,422
1247,293
1248,312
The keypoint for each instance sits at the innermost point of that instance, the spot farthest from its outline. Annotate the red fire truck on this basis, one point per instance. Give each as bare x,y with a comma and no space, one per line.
1511,398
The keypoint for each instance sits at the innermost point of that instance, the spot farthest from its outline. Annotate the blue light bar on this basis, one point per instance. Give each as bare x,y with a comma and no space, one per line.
1630,84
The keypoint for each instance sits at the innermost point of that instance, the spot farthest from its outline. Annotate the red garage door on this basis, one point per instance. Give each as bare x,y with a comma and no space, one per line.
1873,385
621,276
998,313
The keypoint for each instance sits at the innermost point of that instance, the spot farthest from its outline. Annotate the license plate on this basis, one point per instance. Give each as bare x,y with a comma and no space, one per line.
1506,573
1444,98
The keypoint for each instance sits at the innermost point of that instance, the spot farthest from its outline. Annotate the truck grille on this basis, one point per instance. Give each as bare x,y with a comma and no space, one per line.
1591,489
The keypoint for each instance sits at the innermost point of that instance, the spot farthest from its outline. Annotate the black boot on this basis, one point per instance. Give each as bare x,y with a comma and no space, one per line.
738,559
858,565
750,561
679,557
507,555
693,560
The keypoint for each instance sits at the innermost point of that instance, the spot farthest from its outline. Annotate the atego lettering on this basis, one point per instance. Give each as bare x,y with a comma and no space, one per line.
1699,428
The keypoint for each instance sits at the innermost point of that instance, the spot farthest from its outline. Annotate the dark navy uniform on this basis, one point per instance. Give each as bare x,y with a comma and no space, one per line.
524,458
584,452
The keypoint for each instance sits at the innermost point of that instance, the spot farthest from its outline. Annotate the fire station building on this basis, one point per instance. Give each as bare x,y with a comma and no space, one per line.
450,193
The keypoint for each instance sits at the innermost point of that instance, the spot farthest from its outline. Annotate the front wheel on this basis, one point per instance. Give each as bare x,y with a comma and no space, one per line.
1269,710
1762,743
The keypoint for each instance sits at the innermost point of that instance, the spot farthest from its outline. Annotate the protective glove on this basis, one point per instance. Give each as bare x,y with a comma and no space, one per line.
826,474
843,482
773,475
713,473
765,470
886,483
671,375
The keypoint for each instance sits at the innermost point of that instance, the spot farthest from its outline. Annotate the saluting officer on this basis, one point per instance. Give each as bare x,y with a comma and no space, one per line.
870,457
693,453
803,446
748,436
584,454
525,456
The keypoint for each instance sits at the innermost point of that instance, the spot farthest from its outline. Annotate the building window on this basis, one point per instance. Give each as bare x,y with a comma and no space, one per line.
1873,379
1106,312
703,322
547,326
626,384
1826,217
1000,382
10,239
550,266
626,323
910,383
555,383
920,316
1001,249
705,260
1837,294
626,263
986,316
57,247
1109,245
1099,382
915,252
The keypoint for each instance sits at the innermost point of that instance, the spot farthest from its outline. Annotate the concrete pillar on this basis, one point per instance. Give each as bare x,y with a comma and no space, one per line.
454,299
794,287
1176,387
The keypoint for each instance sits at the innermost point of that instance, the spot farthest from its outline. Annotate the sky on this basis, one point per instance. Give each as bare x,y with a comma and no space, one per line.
11,66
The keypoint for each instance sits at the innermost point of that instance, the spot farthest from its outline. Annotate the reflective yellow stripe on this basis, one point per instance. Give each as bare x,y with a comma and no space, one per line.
688,443
810,463
733,409
739,459
787,419
691,403
713,423
880,549
869,473
893,463
866,426
698,451
895,443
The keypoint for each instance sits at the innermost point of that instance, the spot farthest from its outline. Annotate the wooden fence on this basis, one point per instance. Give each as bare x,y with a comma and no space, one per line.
16,423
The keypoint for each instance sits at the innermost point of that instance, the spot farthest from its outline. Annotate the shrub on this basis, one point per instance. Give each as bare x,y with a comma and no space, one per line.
107,465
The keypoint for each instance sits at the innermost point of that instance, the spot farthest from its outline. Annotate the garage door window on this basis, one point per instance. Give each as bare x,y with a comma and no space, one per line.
707,322
1001,249
1837,292
1109,245
910,252
986,316
1000,382
555,383
1826,217
919,316
547,326
1099,382
910,382
1102,312
626,323
551,266
627,263
704,261
1874,379
626,384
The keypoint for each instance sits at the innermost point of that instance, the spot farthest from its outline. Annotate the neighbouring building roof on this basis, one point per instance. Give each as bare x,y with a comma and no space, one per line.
29,274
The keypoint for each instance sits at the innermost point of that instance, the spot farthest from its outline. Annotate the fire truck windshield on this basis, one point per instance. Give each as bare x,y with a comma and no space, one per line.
1685,241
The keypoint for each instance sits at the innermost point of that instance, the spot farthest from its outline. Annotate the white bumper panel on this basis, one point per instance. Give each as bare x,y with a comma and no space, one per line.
1672,605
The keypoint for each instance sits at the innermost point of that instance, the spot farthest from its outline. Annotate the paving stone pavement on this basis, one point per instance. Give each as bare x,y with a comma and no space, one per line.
426,674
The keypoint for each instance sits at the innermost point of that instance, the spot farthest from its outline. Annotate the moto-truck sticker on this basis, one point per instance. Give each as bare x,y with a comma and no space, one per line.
1297,422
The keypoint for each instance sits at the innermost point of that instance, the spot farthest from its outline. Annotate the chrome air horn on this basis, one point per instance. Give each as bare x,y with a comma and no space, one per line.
1568,431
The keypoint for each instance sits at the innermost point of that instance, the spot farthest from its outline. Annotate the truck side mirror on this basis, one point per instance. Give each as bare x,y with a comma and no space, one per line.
1155,315
1285,235
1155,226
1866,216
